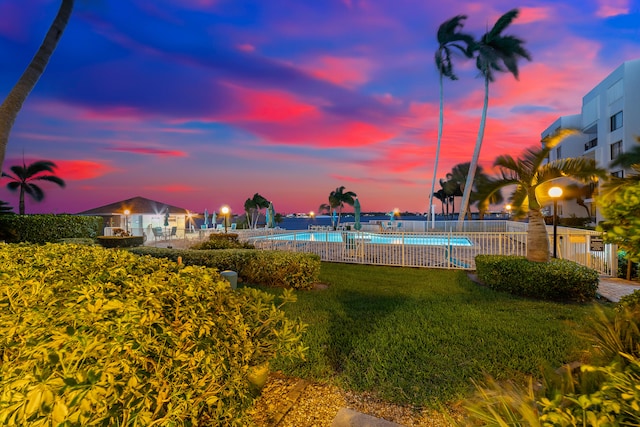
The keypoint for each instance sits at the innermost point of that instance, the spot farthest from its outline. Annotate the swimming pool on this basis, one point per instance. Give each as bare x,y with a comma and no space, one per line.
372,238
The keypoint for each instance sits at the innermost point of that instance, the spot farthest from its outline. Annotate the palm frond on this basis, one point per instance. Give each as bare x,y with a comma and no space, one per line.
51,178
503,22
34,191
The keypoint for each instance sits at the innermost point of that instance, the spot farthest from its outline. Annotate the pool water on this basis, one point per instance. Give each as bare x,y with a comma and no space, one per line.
372,238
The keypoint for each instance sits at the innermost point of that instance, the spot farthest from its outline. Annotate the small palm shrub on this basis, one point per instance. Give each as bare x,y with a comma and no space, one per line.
90,336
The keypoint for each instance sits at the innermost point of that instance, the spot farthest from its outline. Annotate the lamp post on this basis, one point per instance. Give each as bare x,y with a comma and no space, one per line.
555,193
508,208
126,220
225,212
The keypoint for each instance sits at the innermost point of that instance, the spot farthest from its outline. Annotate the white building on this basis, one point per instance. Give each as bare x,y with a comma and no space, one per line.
610,123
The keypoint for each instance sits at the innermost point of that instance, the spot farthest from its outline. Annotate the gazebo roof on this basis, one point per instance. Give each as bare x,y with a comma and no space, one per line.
135,205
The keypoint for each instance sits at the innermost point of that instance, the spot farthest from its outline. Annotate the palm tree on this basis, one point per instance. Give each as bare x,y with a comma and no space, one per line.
532,177
13,102
481,181
449,38
23,177
337,199
495,52
253,208
440,195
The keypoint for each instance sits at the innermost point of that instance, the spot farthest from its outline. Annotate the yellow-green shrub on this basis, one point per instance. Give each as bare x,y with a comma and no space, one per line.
90,336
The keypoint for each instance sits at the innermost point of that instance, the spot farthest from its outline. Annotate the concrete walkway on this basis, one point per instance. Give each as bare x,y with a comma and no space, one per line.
613,288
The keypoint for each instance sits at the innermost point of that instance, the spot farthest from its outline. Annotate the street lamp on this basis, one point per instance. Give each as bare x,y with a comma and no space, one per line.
126,220
225,212
508,208
555,193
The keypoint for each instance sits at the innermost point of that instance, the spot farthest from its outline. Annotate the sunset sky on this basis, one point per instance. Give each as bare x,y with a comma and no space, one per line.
200,103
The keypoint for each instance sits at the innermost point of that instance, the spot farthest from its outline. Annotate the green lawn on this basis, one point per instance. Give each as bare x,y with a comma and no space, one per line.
420,336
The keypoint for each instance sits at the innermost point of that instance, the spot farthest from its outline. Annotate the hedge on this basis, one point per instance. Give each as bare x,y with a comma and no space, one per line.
268,268
91,336
557,279
48,228
120,242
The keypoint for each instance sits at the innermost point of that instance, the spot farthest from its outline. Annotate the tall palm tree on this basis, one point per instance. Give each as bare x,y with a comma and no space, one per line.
23,177
253,207
337,199
12,104
532,177
449,38
494,52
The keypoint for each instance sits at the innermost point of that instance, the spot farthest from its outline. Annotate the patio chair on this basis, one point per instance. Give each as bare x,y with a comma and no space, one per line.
234,226
220,227
174,230
157,233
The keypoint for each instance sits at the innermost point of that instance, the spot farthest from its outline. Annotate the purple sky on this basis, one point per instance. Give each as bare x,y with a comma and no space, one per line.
200,103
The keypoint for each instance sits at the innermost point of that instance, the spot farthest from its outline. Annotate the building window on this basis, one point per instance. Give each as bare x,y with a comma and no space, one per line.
616,121
558,153
616,150
618,174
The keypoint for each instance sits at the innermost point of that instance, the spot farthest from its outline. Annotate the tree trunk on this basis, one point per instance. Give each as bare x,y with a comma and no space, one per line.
13,102
537,237
435,163
21,202
466,196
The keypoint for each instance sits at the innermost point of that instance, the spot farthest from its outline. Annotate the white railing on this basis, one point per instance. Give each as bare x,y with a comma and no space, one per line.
354,247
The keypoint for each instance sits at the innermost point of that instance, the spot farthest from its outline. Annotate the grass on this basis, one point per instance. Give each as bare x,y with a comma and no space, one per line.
420,336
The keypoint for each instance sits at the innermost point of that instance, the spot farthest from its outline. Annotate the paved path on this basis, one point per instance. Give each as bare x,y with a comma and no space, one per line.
613,288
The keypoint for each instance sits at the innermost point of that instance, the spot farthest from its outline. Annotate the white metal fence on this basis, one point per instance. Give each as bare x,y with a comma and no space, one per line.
486,237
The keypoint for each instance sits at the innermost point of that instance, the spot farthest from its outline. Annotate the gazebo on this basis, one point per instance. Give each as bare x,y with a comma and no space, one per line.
140,215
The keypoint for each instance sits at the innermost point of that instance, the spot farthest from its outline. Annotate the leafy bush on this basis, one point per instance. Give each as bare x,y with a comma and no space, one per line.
623,264
222,241
631,301
48,228
269,268
90,336
555,280
120,242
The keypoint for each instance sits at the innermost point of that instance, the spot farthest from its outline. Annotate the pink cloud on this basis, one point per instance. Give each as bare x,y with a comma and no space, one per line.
246,47
71,170
609,8
348,72
266,106
172,188
149,151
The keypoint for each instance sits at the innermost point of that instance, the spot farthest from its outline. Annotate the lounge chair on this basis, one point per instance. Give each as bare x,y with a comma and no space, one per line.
220,227
174,230
234,226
